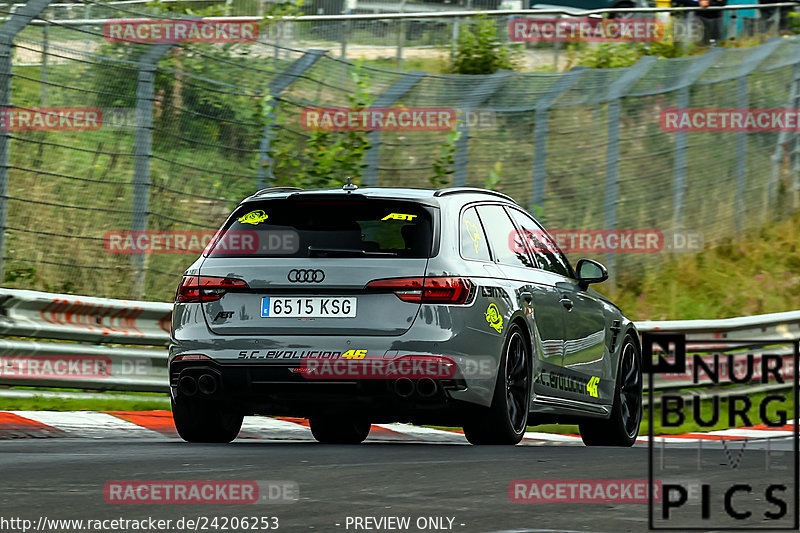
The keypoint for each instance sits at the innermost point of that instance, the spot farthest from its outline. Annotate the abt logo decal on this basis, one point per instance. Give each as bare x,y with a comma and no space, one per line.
399,216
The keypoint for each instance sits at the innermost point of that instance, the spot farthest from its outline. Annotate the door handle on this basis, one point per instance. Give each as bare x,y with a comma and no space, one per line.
528,297
567,303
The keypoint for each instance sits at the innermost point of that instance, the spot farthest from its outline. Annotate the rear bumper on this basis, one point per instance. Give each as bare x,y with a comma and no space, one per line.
278,389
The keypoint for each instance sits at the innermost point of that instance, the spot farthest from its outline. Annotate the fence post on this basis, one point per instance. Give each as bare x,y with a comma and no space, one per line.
777,156
274,89
796,173
476,97
389,97
45,54
540,131
756,57
615,93
692,74
690,23
345,30
142,151
454,39
400,39
15,23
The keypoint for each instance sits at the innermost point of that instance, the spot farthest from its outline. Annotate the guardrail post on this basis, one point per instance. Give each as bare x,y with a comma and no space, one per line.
478,95
389,97
615,93
756,57
540,130
274,89
692,74
142,151
15,23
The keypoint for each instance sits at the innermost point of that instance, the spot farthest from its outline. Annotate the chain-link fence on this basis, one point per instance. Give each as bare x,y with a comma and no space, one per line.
169,137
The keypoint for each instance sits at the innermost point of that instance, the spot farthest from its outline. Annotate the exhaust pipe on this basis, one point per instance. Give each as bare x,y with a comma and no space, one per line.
207,384
426,387
404,387
187,386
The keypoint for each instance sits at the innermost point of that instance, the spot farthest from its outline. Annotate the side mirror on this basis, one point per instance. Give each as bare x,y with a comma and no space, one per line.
589,271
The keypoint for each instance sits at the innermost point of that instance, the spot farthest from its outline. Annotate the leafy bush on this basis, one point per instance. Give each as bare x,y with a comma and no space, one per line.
479,50
326,158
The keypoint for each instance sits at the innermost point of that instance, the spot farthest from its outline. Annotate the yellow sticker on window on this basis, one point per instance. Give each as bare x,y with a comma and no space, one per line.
399,216
474,234
253,217
493,318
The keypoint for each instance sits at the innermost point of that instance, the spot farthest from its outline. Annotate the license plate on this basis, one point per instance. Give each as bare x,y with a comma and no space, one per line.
317,307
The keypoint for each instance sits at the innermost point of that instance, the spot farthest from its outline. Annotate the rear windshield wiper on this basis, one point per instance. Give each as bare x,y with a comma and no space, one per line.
345,252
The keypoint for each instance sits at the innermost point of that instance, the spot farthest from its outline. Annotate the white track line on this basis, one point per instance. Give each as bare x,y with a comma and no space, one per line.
271,428
749,433
89,424
551,437
425,434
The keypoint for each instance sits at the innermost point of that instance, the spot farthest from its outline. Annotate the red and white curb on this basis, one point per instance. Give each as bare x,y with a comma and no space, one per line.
159,425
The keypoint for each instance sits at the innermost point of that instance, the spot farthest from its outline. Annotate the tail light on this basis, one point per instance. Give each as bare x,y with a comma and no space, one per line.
206,288
443,290
191,357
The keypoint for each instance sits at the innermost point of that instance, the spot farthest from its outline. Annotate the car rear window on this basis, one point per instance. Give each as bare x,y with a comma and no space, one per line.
327,228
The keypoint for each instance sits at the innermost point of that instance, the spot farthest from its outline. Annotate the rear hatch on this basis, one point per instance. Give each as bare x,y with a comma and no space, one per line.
306,261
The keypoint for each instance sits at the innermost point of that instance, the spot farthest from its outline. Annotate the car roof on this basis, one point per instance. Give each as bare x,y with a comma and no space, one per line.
427,196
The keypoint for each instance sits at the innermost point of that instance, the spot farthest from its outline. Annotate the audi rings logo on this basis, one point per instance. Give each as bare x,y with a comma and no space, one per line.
305,275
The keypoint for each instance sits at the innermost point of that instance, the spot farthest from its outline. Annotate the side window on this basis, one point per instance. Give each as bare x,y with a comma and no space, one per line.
473,239
503,237
543,247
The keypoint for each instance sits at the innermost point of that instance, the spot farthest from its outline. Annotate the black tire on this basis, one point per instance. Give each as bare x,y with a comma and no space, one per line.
505,421
339,429
622,428
198,421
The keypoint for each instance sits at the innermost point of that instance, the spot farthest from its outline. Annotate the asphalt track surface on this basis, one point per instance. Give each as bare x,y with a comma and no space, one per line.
64,478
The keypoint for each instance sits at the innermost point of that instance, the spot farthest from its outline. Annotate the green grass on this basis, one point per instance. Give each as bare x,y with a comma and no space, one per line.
48,403
427,64
754,273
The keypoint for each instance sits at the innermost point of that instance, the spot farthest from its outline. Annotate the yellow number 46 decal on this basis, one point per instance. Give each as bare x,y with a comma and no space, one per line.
399,216
354,354
591,387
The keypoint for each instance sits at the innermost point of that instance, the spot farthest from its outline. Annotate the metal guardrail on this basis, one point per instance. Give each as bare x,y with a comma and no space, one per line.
103,329
566,11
